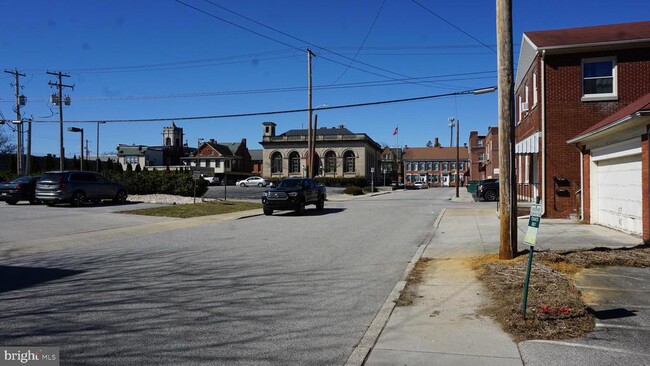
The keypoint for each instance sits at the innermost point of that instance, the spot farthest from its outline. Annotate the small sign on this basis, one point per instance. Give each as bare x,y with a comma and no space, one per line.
372,170
196,175
533,224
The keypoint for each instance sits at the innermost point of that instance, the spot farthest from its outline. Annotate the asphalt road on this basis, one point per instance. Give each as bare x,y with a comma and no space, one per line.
262,290
248,193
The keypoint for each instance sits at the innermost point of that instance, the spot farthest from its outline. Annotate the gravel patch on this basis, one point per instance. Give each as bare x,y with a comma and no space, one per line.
168,199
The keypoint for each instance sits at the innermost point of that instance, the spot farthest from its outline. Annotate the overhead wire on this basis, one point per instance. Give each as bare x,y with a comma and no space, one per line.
365,38
300,40
453,25
287,111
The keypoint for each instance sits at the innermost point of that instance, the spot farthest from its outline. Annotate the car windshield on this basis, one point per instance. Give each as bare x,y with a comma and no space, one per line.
290,183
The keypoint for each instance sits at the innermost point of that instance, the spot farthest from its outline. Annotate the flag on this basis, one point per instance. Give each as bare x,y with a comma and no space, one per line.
395,131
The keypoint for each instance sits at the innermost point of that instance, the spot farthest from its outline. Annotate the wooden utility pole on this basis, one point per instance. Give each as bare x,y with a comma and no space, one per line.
457,159
59,100
19,123
507,188
310,159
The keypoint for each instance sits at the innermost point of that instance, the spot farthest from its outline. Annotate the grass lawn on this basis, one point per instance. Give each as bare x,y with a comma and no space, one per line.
197,209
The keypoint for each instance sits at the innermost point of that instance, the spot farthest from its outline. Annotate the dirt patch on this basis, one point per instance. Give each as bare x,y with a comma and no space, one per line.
409,294
555,308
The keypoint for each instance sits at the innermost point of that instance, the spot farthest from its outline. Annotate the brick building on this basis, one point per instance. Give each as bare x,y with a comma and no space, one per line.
476,152
567,81
435,165
492,153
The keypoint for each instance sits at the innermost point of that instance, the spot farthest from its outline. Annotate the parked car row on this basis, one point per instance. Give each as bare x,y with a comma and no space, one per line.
74,187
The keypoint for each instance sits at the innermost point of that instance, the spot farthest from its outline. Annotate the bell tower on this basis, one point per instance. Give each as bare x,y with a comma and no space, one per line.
173,136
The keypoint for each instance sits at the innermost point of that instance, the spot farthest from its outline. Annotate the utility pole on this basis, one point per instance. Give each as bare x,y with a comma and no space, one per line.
451,132
313,144
58,99
457,157
87,151
507,188
310,159
20,100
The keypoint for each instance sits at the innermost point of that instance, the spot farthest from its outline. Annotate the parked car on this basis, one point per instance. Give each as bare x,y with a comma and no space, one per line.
420,185
211,180
488,190
19,189
397,185
77,187
252,181
294,194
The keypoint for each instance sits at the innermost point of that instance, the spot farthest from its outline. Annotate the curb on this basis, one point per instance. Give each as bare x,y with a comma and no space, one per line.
369,339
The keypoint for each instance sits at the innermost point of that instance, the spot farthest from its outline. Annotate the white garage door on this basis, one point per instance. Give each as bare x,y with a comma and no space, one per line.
619,194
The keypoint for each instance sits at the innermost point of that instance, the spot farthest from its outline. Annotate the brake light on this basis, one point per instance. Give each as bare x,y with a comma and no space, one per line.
61,183
20,186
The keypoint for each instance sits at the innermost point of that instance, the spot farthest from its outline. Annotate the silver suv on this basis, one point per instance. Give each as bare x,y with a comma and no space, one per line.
77,187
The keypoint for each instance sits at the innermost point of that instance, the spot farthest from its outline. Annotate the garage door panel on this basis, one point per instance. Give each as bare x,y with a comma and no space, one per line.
619,194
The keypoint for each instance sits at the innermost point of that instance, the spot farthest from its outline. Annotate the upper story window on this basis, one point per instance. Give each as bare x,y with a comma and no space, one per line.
481,156
534,88
599,79
479,142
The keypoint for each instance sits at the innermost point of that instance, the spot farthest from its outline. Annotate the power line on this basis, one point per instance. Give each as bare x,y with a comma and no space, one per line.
287,111
297,39
374,21
364,84
453,25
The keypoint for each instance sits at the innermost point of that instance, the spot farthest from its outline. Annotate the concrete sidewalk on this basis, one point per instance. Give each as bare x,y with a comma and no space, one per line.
442,326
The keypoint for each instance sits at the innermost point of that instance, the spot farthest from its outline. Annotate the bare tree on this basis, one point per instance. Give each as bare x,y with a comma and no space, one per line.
6,146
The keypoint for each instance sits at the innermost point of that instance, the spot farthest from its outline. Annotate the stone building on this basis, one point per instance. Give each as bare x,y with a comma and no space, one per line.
339,153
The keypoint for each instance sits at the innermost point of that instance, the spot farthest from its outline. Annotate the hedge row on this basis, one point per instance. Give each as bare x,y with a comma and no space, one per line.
178,183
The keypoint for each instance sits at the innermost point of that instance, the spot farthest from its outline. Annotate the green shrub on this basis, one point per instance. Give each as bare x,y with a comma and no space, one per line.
178,183
370,189
354,191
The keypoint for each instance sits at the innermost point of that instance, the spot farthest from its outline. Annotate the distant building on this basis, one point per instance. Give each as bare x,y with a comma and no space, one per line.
435,165
218,159
340,153
492,153
167,154
257,161
476,151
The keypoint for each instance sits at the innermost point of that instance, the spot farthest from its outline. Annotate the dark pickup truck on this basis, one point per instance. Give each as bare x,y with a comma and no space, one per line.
294,194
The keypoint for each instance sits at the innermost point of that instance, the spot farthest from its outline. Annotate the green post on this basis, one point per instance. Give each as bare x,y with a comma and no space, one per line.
527,281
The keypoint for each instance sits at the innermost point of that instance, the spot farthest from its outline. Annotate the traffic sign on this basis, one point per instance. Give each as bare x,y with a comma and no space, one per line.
533,224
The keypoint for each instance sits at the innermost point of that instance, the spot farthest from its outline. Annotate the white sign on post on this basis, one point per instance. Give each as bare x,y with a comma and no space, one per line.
533,224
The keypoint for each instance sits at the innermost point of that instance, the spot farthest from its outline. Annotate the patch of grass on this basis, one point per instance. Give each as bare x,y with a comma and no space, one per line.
196,210
555,308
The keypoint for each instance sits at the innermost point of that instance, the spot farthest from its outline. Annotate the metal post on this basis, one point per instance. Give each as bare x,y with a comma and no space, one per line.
82,149
28,163
457,157
97,152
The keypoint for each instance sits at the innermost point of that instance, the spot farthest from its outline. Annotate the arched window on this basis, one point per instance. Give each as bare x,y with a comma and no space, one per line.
330,162
168,141
294,162
276,163
349,166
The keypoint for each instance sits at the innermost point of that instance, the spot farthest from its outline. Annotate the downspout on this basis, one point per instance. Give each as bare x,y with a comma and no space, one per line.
582,183
543,143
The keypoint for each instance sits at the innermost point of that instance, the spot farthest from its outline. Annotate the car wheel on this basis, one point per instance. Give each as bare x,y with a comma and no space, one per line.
260,184
50,203
78,199
268,211
321,203
242,185
120,197
11,202
490,196
301,208
34,201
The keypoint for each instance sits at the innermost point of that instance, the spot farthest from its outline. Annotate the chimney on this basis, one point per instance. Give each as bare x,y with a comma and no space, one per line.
212,141
436,144
243,141
341,127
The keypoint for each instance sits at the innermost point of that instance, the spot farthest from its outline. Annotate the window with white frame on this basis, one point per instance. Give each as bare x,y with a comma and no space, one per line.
599,78
131,159
481,156
526,106
520,109
534,88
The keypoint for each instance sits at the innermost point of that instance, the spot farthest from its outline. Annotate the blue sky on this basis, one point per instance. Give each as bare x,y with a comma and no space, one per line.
163,59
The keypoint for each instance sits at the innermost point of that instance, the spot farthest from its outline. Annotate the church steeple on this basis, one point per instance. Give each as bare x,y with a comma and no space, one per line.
173,136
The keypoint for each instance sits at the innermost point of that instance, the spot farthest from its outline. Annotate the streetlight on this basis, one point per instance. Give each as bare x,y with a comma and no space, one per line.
451,123
97,152
77,129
